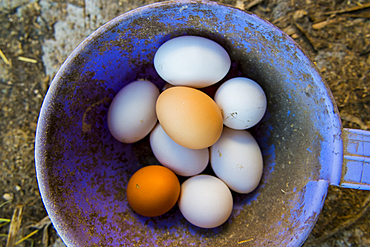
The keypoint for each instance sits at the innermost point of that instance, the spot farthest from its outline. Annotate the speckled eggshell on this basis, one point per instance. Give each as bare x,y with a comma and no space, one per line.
242,101
237,160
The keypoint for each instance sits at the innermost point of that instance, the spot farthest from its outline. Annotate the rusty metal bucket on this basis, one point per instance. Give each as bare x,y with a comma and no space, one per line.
82,171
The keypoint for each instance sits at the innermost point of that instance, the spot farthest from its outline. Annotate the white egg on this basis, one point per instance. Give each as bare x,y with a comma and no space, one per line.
205,201
191,61
131,115
237,160
181,160
242,102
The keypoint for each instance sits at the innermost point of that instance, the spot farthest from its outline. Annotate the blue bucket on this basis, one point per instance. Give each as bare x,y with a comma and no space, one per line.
82,171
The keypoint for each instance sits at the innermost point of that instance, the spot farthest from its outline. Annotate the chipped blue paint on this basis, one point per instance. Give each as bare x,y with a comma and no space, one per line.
356,160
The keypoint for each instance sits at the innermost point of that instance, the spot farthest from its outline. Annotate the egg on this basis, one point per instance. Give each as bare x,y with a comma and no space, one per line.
183,161
189,117
191,61
153,190
237,160
205,201
132,115
242,101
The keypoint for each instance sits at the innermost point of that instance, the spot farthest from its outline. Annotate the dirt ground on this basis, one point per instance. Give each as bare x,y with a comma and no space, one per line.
334,33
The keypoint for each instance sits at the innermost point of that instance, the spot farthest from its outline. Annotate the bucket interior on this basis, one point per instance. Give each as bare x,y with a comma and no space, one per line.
82,170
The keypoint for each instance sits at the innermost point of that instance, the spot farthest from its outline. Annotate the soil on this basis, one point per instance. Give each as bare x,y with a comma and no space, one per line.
335,34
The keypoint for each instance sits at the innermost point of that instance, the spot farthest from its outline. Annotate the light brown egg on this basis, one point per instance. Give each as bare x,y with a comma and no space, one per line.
189,117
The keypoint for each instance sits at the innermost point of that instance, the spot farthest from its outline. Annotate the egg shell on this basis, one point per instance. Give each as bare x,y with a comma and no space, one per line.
131,115
153,190
189,117
181,160
242,102
191,61
205,201
237,160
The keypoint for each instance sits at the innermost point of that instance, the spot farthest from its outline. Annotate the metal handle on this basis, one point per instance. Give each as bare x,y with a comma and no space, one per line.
356,159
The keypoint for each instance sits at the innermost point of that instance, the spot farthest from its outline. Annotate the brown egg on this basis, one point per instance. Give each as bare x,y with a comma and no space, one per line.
189,117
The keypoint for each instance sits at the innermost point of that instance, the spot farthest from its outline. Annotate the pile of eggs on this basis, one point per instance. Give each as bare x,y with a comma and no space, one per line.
188,130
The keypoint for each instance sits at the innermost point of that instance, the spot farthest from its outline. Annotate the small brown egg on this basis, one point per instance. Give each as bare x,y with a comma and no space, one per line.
189,117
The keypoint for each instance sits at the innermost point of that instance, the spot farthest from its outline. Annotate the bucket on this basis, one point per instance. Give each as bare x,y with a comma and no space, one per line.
82,171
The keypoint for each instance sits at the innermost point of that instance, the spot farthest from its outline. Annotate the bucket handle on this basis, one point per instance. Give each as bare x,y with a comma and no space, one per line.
356,159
